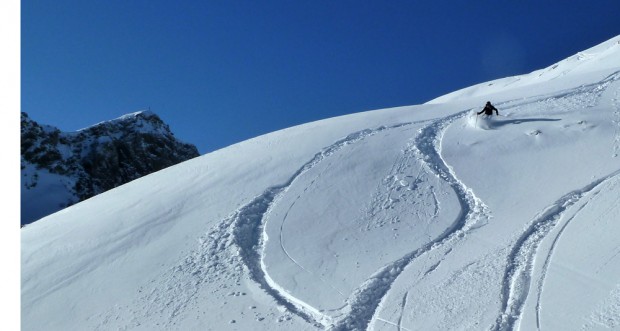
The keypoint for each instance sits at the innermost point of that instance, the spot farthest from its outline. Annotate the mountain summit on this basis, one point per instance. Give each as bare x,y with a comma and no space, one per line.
59,169
425,217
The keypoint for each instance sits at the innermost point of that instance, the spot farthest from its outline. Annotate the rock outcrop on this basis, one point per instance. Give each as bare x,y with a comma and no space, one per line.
61,168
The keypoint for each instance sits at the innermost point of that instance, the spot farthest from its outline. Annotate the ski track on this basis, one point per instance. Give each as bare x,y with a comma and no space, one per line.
518,273
343,296
616,120
363,303
402,311
236,242
394,324
247,236
222,253
519,266
569,100
556,240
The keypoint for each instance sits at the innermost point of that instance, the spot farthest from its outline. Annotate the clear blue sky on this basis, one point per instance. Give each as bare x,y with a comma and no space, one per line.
220,72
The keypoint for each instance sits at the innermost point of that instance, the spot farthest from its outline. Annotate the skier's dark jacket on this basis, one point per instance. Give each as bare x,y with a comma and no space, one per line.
488,109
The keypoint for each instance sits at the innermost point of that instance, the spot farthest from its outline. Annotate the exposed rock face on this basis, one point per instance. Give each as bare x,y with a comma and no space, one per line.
91,161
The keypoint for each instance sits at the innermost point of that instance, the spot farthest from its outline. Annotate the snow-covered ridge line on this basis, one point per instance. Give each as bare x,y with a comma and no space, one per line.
602,57
597,88
144,114
363,303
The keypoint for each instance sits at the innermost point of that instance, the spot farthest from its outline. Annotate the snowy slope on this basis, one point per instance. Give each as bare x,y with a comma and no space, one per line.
413,218
596,62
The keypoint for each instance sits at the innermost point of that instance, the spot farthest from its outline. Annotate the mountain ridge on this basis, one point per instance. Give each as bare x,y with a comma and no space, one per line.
79,165
602,56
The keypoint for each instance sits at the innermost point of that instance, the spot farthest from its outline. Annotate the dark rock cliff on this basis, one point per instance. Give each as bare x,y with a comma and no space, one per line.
93,160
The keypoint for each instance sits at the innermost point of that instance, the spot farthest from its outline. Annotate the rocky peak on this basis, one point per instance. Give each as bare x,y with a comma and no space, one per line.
95,159
139,122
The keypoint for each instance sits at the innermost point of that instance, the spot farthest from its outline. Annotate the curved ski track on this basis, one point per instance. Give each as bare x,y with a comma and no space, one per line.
246,229
363,303
520,261
556,239
282,246
238,241
248,236
247,226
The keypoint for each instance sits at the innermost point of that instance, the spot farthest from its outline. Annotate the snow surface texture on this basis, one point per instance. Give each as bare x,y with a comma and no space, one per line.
415,218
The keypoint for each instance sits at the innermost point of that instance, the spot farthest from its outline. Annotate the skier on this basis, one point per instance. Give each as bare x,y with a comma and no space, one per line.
488,109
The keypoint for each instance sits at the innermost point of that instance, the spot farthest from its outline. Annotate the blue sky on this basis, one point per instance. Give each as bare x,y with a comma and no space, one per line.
220,72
